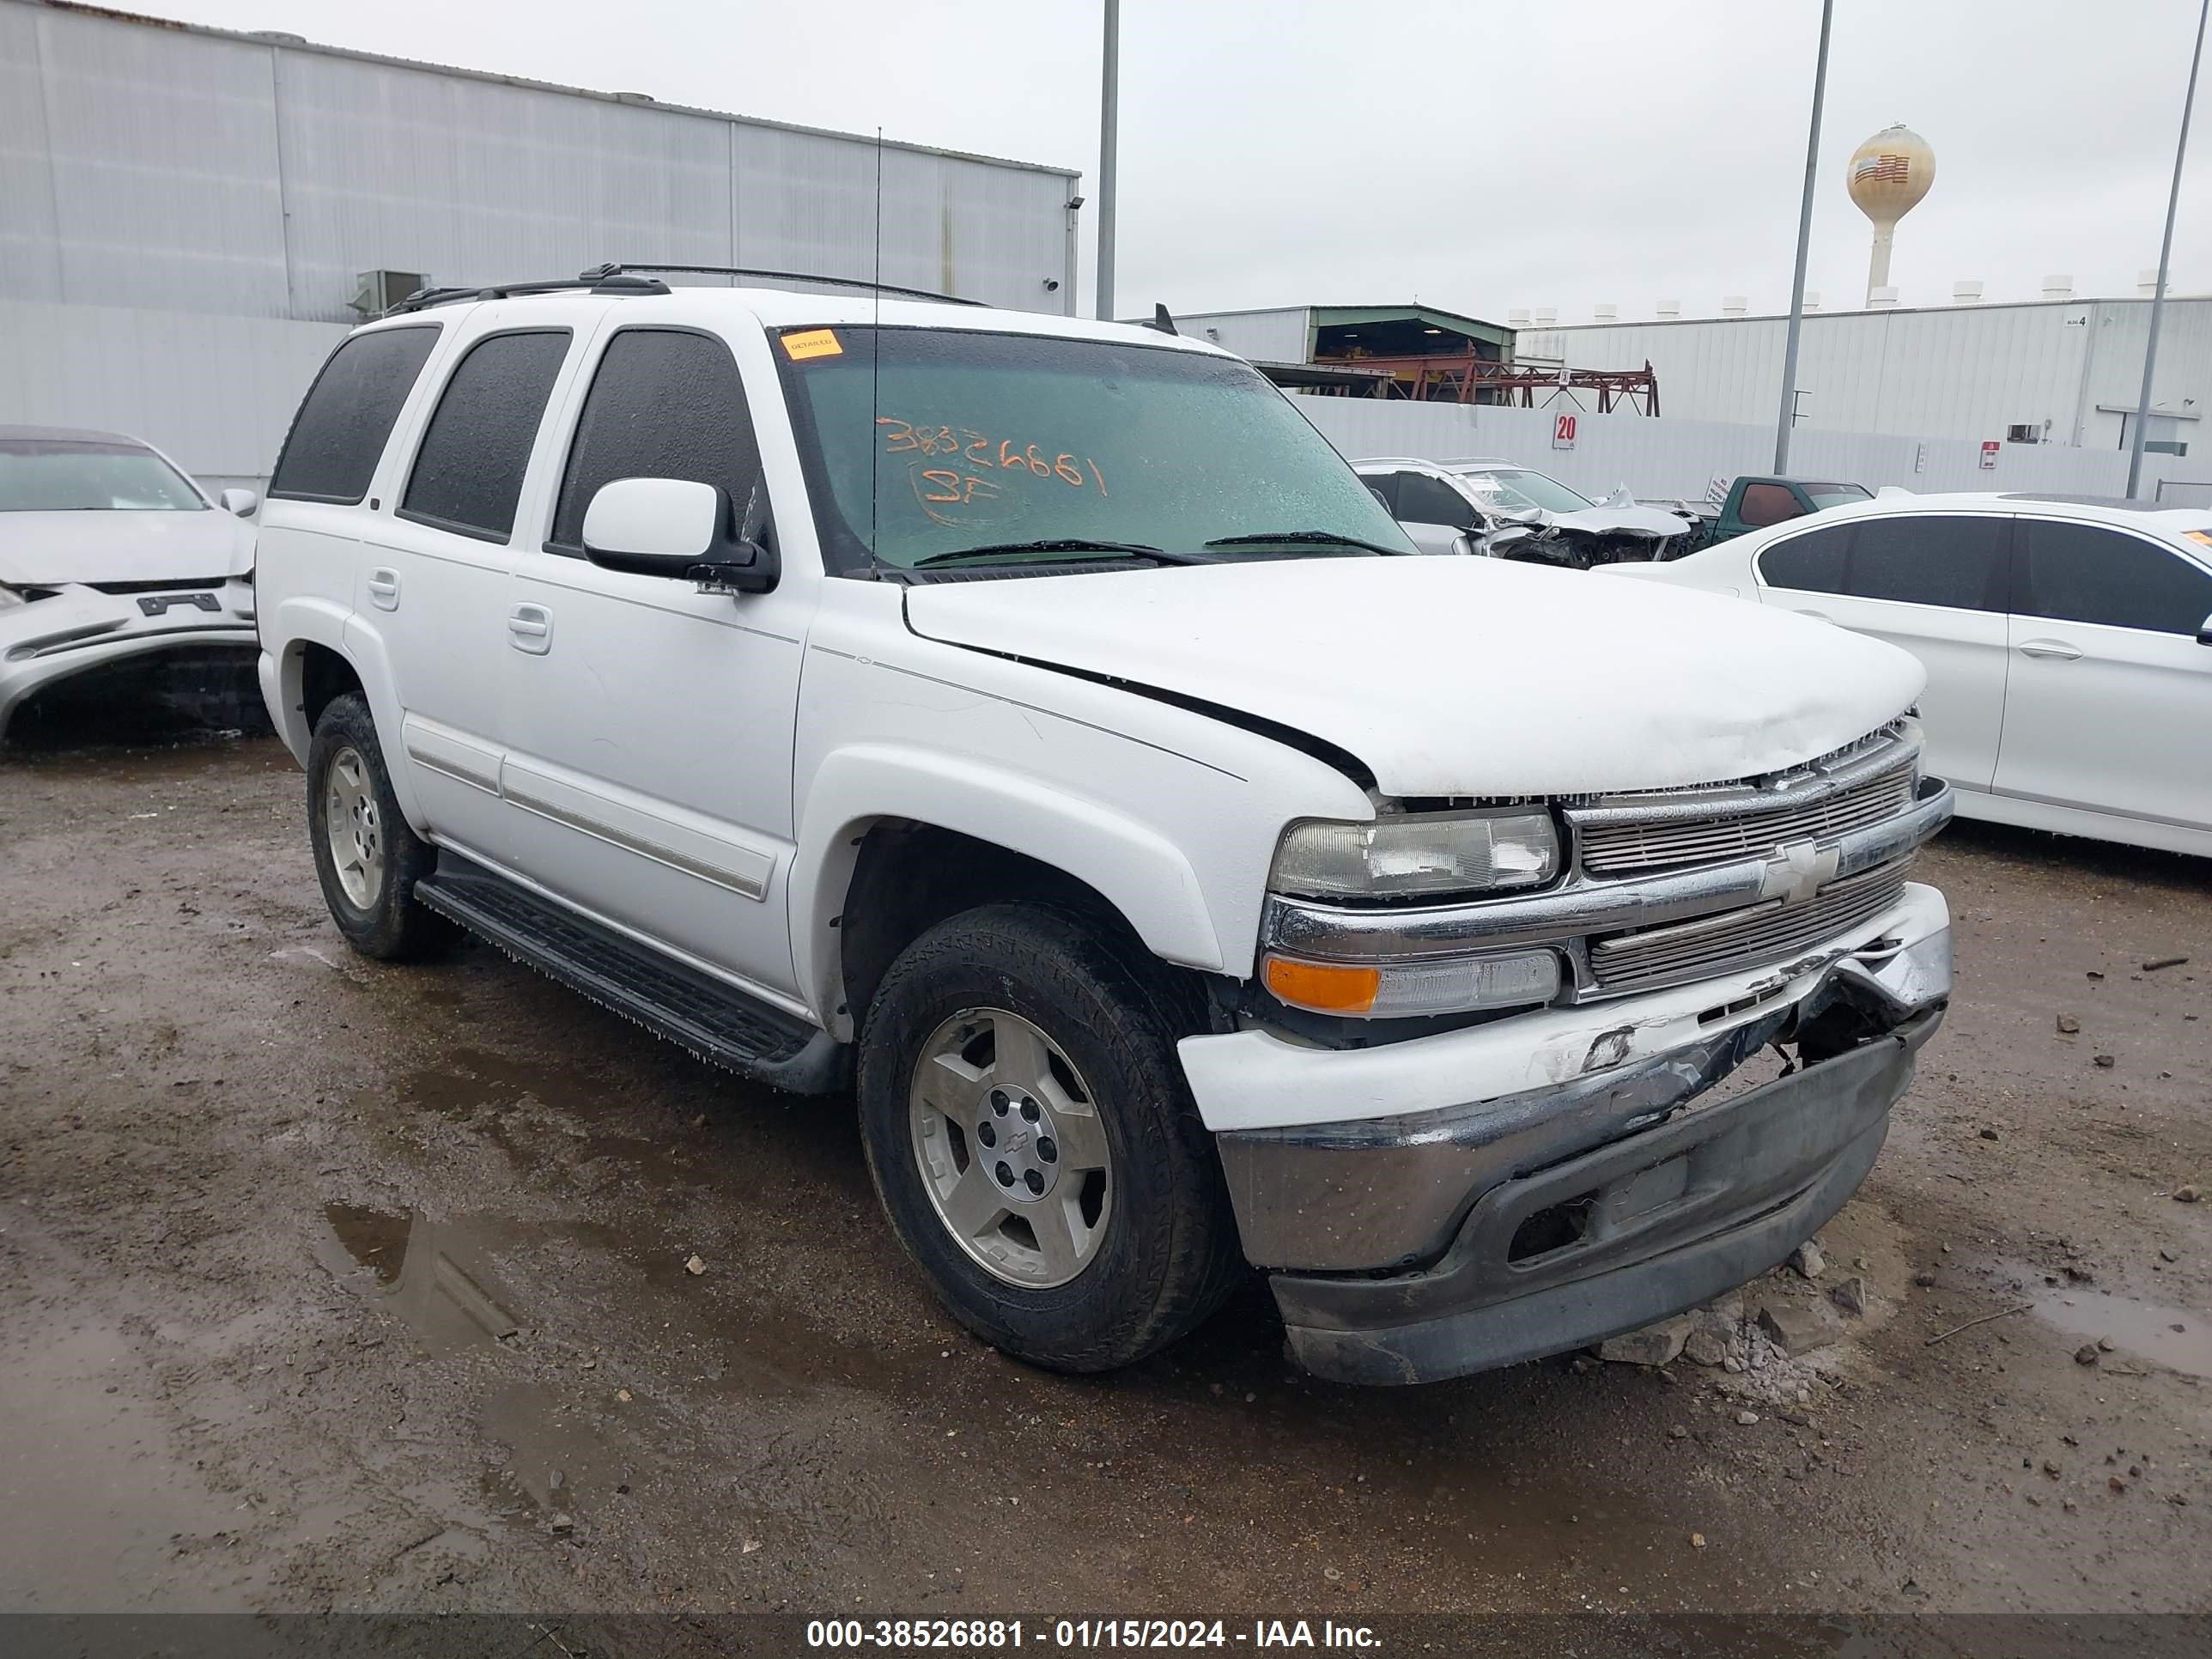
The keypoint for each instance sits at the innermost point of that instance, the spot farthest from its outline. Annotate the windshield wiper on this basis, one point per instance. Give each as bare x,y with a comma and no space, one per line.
1060,545
1316,537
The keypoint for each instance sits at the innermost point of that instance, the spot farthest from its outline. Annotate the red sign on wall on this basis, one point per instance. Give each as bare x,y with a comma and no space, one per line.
1563,432
1990,448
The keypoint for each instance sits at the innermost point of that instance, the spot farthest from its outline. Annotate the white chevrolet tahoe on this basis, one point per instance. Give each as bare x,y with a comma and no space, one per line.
1035,728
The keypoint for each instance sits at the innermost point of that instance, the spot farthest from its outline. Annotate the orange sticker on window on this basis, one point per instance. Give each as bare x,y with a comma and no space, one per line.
812,343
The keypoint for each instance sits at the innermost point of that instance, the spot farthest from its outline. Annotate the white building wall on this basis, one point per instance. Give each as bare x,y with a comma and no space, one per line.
1281,336
162,186
1681,459
1958,372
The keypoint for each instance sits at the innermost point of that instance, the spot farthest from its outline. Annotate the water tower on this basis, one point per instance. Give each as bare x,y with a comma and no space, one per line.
1888,175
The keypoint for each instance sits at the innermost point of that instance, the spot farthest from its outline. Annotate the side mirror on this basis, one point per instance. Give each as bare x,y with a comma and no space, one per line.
680,529
2204,634
243,502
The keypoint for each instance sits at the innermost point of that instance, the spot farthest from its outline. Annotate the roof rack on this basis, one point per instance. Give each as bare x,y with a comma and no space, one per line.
607,270
621,279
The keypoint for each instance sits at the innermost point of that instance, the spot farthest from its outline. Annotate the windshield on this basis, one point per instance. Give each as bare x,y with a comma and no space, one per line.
1835,494
1516,490
923,443
82,475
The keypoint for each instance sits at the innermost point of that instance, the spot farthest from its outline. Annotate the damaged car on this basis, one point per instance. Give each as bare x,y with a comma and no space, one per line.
1499,508
119,578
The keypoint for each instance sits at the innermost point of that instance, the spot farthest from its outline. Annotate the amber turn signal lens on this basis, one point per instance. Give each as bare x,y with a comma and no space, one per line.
1323,987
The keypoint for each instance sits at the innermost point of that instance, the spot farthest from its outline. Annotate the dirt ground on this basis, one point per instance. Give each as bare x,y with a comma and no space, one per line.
325,1285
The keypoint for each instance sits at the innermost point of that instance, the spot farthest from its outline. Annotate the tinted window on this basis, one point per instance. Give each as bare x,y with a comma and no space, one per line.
1422,499
468,473
1929,558
2081,573
662,404
1767,504
338,435
1815,562
1385,486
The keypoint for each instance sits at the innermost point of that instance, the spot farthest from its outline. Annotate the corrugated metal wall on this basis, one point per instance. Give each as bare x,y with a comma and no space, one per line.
160,186
1673,457
155,166
1965,372
1264,337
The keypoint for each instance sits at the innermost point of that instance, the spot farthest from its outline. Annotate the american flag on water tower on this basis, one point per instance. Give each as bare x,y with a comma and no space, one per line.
1884,168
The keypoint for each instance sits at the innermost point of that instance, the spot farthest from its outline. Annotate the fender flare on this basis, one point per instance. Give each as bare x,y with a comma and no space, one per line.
301,622
1143,874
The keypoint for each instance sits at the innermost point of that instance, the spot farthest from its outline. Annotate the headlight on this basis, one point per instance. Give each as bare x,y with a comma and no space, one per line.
1424,855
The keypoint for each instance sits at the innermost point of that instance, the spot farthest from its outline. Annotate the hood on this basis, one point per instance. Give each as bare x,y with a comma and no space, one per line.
1628,520
55,549
1458,676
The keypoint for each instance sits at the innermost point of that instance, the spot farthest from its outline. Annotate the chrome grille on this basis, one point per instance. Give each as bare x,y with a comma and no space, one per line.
1713,946
1617,849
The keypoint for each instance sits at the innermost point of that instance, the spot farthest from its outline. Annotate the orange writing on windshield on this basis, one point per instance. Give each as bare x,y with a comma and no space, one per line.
979,452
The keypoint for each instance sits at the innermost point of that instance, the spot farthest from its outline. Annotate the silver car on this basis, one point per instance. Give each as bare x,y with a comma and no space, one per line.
109,553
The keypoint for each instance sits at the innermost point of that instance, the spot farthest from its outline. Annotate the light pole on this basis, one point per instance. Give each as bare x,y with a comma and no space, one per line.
1788,418
1109,95
2165,256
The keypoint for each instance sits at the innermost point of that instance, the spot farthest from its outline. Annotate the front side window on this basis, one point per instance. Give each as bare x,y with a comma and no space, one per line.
1766,503
1931,558
929,444
90,475
339,436
664,404
1817,561
2084,573
468,473
1423,499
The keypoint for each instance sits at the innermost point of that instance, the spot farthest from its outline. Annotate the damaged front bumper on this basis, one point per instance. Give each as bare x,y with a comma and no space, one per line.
1411,1247
81,628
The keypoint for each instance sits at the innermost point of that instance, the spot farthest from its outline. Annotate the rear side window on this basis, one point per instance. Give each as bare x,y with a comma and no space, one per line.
1817,561
1385,486
1764,503
1929,558
1422,499
337,437
468,473
664,404
2085,573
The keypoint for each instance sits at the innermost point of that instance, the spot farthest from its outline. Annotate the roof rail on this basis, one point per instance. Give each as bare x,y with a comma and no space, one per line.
598,279
619,279
617,270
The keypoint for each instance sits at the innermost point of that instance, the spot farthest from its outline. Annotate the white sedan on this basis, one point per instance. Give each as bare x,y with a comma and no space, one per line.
109,557
2068,642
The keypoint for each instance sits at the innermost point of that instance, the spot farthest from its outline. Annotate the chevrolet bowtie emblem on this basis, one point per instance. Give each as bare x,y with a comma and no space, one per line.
1797,872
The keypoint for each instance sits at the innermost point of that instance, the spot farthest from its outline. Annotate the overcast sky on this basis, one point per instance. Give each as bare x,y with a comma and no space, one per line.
1478,154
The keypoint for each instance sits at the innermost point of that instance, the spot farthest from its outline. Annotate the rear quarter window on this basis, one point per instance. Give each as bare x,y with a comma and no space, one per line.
1817,561
339,436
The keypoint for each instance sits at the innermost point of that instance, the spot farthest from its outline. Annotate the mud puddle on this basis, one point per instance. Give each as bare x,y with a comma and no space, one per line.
95,1514
2170,1337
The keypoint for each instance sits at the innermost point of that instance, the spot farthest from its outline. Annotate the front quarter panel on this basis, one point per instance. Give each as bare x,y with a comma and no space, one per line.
1170,814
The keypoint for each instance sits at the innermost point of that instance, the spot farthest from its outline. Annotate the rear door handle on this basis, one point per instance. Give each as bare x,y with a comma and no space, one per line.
383,589
530,628
2055,650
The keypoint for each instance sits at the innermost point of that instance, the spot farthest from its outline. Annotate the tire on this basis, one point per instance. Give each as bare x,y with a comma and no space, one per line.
1154,1244
367,877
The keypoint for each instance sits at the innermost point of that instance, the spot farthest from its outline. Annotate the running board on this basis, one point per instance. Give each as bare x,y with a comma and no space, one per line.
716,1022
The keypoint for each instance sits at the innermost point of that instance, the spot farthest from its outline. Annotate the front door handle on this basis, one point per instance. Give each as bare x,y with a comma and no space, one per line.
530,628
384,588
2054,650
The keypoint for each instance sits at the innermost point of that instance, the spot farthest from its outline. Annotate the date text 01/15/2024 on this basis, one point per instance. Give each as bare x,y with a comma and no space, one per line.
1084,1634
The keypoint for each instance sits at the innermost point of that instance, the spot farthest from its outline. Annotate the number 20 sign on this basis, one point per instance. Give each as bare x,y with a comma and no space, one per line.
1563,432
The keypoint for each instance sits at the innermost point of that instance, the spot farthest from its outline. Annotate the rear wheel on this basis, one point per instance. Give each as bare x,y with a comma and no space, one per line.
366,857
1034,1142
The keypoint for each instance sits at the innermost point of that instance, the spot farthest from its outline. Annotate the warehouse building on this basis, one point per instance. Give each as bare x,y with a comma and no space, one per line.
190,218
2058,370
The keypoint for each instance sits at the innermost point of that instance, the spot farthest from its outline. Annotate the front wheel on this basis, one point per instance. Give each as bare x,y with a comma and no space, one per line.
1034,1142
366,858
